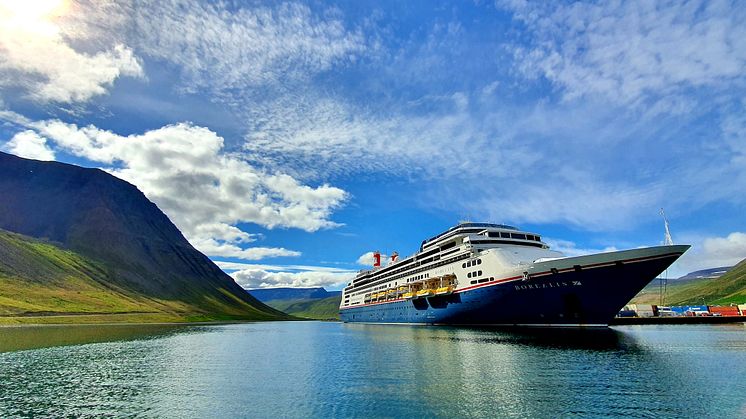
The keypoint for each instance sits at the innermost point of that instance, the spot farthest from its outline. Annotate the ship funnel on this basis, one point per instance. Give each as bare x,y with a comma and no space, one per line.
394,257
376,259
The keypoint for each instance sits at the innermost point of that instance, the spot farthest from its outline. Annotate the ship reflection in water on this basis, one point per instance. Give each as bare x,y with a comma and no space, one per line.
312,369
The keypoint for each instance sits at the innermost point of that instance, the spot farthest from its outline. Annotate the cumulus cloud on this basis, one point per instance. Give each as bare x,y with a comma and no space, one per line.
237,266
570,248
257,278
710,252
36,55
227,248
204,190
254,275
366,259
30,145
725,251
633,51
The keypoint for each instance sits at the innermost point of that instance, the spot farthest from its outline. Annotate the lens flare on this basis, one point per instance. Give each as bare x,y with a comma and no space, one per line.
31,15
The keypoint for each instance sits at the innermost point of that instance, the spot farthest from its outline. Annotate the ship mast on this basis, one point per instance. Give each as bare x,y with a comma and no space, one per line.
668,241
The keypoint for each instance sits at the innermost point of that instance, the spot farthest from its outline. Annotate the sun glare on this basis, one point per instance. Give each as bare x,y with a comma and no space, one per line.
31,15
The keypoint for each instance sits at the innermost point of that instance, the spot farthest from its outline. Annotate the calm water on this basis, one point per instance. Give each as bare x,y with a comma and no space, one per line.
310,369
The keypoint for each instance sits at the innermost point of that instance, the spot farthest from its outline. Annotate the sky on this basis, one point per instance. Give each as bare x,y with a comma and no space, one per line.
288,140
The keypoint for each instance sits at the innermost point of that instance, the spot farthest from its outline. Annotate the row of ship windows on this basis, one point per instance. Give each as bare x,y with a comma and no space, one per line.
418,277
479,281
518,236
471,263
474,274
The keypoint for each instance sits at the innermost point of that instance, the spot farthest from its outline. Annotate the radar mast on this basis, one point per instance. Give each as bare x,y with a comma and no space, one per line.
667,240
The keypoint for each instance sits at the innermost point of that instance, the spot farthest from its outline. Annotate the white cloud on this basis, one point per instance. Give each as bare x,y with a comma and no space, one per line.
569,248
230,50
254,275
366,259
725,251
30,145
204,190
35,54
709,252
256,278
237,266
227,248
633,51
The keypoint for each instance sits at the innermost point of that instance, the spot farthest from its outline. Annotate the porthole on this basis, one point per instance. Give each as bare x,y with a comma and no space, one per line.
468,275
463,265
479,261
480,273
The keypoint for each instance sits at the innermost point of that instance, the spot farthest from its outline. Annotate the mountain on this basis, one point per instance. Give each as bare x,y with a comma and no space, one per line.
109,224
312,308
268,294
41,281
703,274
727,288
311,303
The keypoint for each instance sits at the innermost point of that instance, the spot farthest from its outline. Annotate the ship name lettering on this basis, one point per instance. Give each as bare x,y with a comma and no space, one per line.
556,284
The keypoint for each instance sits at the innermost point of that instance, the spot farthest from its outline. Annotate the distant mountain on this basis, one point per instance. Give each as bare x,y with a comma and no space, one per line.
704,274
268,294
310,303
112,225
715,289
311,308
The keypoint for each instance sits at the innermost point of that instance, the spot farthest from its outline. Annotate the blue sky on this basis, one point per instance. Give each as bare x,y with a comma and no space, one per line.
287,140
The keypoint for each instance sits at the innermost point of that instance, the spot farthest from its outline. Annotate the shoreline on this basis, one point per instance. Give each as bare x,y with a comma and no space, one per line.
126,318
623,321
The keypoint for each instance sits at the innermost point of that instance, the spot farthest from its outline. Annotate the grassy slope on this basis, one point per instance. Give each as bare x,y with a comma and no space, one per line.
729,288
319,309
41,283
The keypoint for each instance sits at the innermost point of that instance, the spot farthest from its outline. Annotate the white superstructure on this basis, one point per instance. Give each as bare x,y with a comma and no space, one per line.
464,256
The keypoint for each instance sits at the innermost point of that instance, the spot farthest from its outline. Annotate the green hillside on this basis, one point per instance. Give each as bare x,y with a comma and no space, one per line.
318,309
729,288
42,283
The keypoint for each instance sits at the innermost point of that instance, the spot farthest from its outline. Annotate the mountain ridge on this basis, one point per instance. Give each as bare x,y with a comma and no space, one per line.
728,288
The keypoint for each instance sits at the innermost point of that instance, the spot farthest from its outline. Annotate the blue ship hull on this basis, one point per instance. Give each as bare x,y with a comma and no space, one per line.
576,297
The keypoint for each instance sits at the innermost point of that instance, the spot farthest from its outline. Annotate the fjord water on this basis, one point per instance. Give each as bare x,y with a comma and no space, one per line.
317,369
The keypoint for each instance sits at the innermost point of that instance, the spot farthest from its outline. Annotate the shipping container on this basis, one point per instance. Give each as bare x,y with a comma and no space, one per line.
683,310
724,310
666,312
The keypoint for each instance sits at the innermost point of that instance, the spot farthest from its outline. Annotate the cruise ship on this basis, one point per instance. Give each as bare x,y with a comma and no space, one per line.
495,274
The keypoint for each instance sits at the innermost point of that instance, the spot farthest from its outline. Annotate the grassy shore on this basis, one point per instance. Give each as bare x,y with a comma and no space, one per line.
41,283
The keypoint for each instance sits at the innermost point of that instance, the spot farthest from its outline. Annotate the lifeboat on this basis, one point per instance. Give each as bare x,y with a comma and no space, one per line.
444,290
426,293
408,295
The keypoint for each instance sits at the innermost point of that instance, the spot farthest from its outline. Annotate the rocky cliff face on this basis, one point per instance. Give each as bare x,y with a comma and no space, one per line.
110,221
